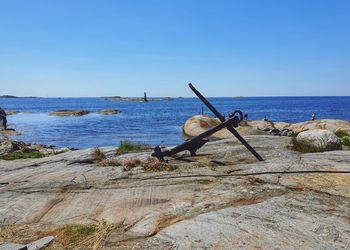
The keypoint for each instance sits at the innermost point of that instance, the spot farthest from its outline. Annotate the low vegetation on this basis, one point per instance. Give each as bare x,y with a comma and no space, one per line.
129,147
98,155
131,163
109,162
344,138
341,134
151,164
154,165
89,236
294,134
22,155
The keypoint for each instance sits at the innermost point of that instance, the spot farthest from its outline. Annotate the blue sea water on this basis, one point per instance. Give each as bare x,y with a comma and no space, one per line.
157,122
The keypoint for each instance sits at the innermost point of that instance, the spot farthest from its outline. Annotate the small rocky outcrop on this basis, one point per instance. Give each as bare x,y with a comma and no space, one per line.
109,112
65,112
318,141
11,112
8,146
8,131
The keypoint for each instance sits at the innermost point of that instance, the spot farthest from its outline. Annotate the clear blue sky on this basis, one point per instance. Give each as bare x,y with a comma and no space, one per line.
226,48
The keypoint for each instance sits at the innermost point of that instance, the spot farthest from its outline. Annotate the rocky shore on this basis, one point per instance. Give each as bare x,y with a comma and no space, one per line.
220,199
79,112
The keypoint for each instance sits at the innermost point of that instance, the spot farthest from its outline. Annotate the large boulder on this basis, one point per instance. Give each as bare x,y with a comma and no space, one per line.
200,123
65,112
317,140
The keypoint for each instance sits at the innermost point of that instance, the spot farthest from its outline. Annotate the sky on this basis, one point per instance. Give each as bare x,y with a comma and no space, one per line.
82,48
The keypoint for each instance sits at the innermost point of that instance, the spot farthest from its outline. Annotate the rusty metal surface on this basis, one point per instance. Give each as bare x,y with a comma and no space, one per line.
197,142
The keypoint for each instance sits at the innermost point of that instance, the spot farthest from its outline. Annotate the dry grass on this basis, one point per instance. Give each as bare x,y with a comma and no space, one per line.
68,237
131,163
109,162
154,165
151,164
98,155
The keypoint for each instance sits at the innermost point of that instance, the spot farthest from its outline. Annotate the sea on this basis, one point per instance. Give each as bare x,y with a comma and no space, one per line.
155,122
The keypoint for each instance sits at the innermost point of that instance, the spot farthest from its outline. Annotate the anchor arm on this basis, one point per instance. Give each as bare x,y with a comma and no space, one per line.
222,119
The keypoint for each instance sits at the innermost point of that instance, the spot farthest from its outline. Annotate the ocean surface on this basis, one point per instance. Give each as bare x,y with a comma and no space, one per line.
157,122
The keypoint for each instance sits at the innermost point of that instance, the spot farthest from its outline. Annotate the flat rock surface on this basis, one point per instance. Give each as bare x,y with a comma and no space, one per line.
222,198
70,112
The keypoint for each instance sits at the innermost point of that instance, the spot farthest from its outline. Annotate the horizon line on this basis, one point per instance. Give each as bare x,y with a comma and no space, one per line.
173,97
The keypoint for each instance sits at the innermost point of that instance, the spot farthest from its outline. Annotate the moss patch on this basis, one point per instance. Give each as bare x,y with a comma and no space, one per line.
344,137
345,140
22,155
341,134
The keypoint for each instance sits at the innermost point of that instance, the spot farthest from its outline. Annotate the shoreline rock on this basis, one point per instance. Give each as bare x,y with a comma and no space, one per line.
221,188
109,111
198,124
317,140
77,112
65,112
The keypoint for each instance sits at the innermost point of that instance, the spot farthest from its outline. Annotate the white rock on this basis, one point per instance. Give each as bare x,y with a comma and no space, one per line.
323,140
11,246
40,244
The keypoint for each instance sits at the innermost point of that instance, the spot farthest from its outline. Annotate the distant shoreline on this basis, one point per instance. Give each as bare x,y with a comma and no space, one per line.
158,98
15,97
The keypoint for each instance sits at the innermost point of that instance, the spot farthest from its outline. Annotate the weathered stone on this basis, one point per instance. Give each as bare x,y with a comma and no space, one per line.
329,124
41,243
222,198
8,146
322,140
274,131
70,112
198,124
109,112
12,246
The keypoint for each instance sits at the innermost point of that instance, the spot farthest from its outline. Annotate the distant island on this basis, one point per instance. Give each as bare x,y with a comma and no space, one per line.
137,99
12,96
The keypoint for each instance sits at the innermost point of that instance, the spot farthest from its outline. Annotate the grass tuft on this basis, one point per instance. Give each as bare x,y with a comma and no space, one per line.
341,134
294,134
130,164
98,154
77,232
345,140
22,155
129,147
